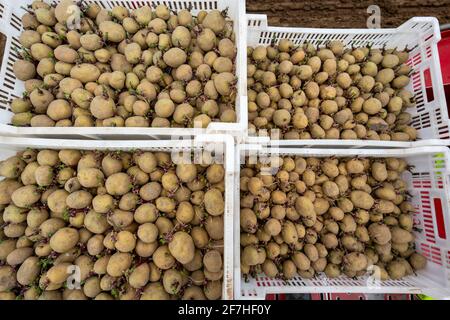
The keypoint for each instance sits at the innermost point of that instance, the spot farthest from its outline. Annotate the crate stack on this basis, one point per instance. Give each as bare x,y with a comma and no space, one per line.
429,118
429,182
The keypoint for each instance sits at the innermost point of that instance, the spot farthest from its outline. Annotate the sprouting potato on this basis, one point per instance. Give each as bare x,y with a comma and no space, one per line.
417,261
102,107
95,245
146,162
147,232
214,202
362,199
248,220
125,241
24,70
118,184
12,167
379,233
8,276
164,108
18,256
25,196
140,276
355,261
400,235
90,177
79,199
305,208
96,222
175,57
112,31
85,73
182,247
28,271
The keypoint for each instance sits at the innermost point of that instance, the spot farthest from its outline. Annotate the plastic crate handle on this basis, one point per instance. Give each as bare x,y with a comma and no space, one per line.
421,20
259,20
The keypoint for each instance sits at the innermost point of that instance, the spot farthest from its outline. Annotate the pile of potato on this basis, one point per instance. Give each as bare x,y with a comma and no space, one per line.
137,225
336,216
330,92
121,68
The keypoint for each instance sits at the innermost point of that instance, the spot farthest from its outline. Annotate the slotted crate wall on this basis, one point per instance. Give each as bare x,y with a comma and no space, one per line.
421,34
429,186
10,87
220,145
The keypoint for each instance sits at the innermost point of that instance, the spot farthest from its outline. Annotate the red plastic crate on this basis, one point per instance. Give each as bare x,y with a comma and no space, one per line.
444,56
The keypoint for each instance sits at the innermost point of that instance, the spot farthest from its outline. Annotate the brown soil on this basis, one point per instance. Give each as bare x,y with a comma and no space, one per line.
339,14
346,13
2,46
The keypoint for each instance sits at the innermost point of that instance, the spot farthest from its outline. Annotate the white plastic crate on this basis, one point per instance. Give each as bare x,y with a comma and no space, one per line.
430,116
221,144
429,185
10,87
